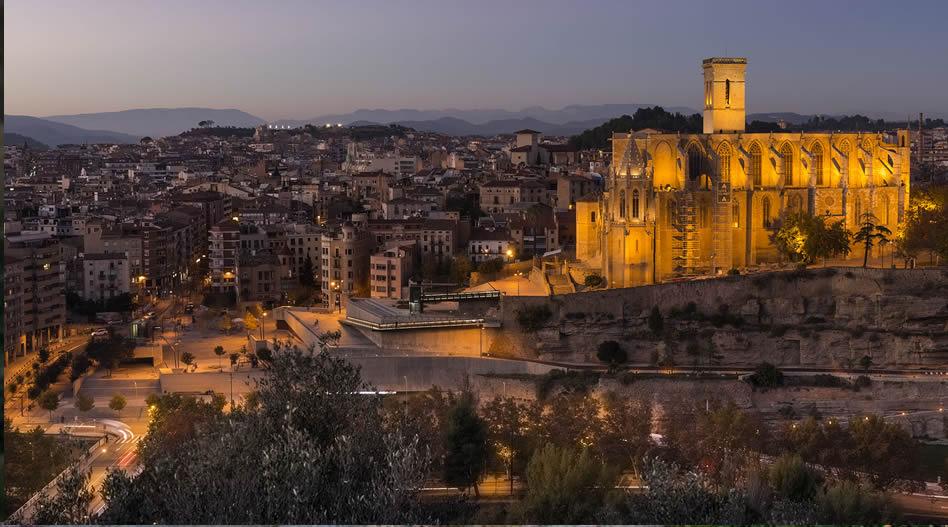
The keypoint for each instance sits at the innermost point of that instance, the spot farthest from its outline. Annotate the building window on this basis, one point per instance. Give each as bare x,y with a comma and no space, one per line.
724,162
622,204
786,165
727,92
765,212
754,170
817,161
736,213
592,216
635,204
695,163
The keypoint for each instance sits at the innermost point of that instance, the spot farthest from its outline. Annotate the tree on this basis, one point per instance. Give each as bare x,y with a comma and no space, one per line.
655,321
219,351
624,437
804,238
117,402
314,449
84,403
111,351
187,358
49,401
234,357
206,124
69,505
792,479
611,353
564,486
869,234
43,355
307,275
512,431
885,451
926,223
251,323
465,445
461,268
865,362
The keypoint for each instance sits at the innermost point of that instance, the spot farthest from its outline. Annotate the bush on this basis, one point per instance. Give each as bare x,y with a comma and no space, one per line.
570,381
847,502
491,266
592,280
792,479
533,318
766,375
734,271
863,381
611,353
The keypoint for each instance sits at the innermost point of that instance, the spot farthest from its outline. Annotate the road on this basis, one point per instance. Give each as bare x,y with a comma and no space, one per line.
120,453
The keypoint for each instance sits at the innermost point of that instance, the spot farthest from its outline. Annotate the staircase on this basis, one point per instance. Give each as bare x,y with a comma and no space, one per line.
685,238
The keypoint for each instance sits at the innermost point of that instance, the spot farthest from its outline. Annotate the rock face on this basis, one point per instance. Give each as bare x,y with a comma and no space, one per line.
818,318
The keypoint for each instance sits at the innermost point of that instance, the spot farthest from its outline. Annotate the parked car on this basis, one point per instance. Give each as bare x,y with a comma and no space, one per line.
189,308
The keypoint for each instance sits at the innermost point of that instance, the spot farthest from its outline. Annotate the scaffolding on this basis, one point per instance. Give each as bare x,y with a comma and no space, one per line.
722,237
685,237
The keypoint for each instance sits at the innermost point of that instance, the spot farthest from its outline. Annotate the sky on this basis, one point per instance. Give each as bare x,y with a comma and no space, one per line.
302,59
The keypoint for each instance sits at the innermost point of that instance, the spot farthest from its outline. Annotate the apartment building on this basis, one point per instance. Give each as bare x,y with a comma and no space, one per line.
344,261
43,292
391,269
104,276
14,341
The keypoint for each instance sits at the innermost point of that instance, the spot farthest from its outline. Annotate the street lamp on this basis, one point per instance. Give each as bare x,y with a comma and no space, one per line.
263,326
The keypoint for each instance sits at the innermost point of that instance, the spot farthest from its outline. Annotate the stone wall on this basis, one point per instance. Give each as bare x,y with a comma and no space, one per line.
820,318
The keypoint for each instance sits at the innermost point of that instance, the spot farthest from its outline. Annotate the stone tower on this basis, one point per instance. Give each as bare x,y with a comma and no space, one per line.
724,94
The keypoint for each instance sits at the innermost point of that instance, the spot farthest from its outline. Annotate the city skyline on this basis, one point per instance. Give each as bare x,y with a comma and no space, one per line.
283,63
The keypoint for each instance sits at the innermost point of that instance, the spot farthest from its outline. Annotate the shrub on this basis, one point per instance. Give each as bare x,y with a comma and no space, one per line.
766,375
592,280
533,318
863,381
734,271
792,479
570,381
611,353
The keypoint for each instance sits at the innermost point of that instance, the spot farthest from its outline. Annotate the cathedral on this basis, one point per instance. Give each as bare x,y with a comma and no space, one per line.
677,205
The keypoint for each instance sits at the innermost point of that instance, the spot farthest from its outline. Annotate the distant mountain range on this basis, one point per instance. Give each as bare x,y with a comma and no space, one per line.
52,133
157,122
129,126
11,139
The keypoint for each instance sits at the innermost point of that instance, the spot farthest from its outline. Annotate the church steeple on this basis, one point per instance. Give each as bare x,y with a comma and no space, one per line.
724,94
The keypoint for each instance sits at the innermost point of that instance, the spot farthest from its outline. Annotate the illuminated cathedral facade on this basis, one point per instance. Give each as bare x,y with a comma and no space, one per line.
678,205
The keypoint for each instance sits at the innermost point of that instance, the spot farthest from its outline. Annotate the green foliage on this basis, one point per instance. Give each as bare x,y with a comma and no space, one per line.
84,403
312,450
654,117
465,445
532,318
592,280
187,358
491,266
926,223
512,430
564,487
117,402
108,353
46,375
32,459
568,381
80,364
847,502
461,268
656,323
766,375
870,234
865,362
308,274
611,353
792,479
69,504
49,400
803,238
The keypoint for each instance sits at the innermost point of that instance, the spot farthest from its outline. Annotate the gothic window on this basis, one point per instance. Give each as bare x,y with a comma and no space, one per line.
727,92
635,204
736,214
621,203
786,165
754,171
765,212
592,216
695,163
724,160
817,162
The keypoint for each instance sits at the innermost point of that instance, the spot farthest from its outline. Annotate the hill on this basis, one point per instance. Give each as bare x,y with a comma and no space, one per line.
655,117
158,122
11,139
53,133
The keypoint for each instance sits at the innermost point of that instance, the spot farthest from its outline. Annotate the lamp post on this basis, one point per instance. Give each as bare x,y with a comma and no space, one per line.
263,326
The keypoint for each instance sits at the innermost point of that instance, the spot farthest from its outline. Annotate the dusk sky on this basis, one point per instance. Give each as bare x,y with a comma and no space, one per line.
289,59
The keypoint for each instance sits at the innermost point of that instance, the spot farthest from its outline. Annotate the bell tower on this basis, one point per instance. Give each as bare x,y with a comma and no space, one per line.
724,94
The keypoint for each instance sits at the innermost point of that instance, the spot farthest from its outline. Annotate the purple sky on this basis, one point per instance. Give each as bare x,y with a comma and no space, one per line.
300,59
